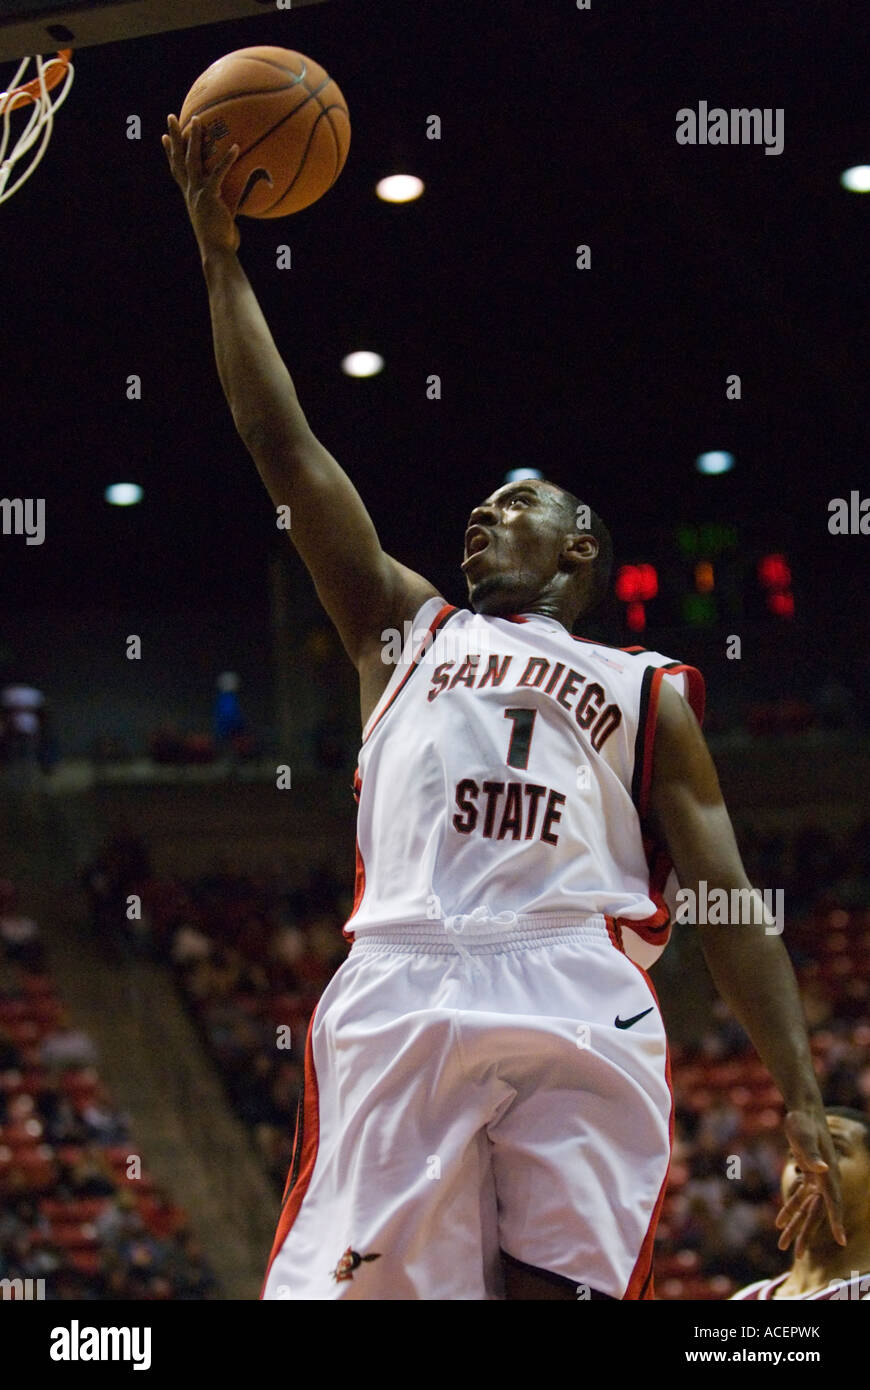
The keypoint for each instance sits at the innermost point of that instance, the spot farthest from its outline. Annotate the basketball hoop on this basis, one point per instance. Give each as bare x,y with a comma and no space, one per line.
50,74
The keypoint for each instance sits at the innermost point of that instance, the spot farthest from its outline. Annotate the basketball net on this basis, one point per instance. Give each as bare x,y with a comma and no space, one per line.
36,93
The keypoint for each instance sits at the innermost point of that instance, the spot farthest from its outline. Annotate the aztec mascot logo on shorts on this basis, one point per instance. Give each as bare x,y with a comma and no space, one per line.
350,1261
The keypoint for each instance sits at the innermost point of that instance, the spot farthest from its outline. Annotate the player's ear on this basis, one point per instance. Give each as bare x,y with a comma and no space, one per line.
578,549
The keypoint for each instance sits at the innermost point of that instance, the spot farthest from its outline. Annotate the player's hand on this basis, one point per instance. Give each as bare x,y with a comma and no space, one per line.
817,1197
213,223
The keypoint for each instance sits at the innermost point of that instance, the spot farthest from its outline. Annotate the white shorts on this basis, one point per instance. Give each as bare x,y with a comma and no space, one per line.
467,1097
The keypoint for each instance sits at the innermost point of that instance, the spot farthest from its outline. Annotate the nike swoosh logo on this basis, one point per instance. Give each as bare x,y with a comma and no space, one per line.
627,1022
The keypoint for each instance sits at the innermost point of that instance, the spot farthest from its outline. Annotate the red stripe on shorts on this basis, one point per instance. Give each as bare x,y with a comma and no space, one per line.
304,1154
640,1285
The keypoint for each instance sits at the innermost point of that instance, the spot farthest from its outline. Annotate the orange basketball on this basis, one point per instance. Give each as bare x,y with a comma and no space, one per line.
289,120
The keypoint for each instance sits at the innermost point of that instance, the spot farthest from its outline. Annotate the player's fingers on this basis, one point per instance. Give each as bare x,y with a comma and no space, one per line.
810,1147
811,1221
788,1209
176,139
796,1222
193,155
174,143
219,173
171,143
833,1210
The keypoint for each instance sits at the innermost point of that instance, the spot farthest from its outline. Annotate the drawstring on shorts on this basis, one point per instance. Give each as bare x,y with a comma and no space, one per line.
456,925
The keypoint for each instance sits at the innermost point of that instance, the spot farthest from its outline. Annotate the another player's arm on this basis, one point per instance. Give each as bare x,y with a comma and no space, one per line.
750,968
363,589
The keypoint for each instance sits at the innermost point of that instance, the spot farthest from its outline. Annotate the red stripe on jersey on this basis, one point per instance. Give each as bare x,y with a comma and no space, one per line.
695,686
695,697
359,887
656,930
305,1145
648,737
640,1285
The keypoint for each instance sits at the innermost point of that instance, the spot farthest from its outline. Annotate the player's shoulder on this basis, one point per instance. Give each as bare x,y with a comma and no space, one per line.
609,646
434,611
757,1290
639,656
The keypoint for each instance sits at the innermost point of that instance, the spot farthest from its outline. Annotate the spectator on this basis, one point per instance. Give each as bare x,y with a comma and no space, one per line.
67,1047
229,722
21,722
22,754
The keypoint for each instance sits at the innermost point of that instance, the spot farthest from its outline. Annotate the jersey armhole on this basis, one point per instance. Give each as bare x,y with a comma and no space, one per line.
430,616
656,929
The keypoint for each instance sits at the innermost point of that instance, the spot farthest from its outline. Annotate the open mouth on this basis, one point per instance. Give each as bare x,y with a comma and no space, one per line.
476,540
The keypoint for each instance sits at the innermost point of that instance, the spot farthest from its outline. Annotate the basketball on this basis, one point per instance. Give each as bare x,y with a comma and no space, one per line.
289,120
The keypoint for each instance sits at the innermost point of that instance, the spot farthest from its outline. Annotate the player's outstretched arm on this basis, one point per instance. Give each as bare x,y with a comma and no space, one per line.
363,589
748,961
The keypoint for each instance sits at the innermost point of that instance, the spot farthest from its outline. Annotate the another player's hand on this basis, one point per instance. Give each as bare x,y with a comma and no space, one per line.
213,223
817,1198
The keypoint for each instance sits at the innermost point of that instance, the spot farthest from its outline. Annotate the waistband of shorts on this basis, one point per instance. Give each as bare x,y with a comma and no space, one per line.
484,937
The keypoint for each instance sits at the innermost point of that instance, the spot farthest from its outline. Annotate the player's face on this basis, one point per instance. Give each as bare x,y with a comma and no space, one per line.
512,546
854,1163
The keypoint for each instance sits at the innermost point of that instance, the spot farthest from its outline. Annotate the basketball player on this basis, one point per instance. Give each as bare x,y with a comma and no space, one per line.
487,1110
826,1270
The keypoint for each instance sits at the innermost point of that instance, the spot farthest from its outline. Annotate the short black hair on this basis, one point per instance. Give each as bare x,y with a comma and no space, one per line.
603,564
858,1117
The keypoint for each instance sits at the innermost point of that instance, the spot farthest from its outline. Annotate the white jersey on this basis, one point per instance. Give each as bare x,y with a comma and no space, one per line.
505,773
855,1288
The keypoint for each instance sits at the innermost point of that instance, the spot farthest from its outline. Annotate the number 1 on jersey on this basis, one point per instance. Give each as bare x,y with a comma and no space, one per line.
521,736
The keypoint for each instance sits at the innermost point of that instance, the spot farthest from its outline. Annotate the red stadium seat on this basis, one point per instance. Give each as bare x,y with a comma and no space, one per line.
81,1084
837,967
162,1219
38,986
695,1287
85,1209
28,1170
23,1032
24,1134
47,1013
700,1099
678,1176
724,1074
756,1073
834,943
712,1288
670,1288
740,1096
12,1009
75,1237
87,1262
759,1121
70,1154
676,1266
118,1154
